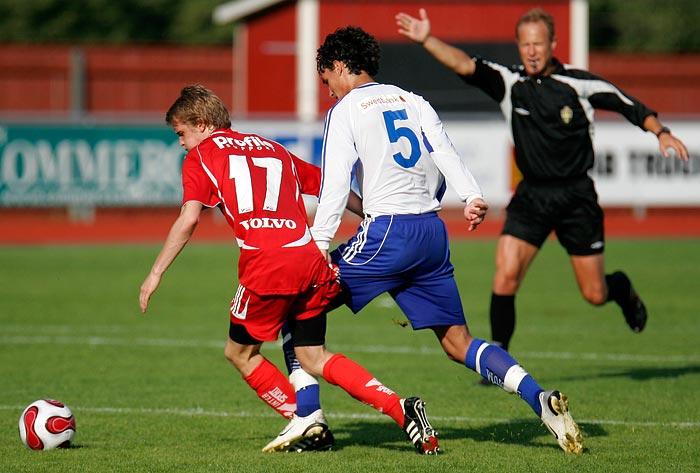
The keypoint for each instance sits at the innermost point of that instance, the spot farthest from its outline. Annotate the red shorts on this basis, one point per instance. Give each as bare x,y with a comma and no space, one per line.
263,315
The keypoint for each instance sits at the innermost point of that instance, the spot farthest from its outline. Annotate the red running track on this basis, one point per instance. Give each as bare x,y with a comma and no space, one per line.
55,226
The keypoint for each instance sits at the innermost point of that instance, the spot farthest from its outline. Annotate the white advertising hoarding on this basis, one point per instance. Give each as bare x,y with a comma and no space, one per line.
53,166
630,170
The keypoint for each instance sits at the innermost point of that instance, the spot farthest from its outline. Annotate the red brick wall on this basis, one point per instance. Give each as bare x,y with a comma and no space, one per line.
117,79
34,78
667,84
146,79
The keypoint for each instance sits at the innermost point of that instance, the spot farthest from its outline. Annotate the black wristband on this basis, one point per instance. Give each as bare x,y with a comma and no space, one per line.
663,129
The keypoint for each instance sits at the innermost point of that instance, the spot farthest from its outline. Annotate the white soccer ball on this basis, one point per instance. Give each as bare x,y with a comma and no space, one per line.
46,424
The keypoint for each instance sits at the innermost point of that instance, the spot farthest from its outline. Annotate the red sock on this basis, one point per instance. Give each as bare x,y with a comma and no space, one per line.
273,388
364,387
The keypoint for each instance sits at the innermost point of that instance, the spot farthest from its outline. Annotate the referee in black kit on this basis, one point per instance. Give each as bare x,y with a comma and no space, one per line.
549,107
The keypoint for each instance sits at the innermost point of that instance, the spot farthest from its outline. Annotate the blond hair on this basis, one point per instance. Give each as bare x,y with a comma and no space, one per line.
198,104
535,15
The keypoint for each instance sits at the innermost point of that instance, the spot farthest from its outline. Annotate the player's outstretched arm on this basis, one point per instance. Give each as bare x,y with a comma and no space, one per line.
177,238
667,142
418,30
475,212
413,28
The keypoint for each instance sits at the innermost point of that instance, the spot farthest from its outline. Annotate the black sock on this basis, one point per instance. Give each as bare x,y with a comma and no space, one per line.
619,287
502,319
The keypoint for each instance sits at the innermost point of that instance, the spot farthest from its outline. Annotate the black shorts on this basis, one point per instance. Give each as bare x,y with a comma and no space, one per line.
569,209
307,332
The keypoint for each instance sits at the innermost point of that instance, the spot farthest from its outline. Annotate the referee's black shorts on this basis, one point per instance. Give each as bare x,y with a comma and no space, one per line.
568,208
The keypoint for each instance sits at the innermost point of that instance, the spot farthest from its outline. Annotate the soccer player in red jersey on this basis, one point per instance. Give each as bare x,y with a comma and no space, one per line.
283,277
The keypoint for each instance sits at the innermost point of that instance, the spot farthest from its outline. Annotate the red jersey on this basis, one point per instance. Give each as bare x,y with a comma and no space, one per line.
258,184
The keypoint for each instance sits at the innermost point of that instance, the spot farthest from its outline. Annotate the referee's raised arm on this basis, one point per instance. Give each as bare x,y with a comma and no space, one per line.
418,30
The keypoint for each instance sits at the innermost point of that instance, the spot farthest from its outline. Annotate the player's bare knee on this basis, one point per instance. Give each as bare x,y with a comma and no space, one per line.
236,357
312,368
312,359
595,296
505,285
230,355
454,358
455,351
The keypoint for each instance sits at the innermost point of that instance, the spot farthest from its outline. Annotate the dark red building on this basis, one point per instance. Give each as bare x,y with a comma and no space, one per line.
259,77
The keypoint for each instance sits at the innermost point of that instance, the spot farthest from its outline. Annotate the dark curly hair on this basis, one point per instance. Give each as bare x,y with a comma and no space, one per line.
353,46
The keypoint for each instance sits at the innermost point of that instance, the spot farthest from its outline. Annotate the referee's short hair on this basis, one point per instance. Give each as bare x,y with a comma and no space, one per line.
535,15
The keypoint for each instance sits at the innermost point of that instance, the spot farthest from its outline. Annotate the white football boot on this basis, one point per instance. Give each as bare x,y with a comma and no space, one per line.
558,420
310,428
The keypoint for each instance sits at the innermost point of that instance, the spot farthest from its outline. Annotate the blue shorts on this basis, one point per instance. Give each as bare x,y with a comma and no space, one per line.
407,256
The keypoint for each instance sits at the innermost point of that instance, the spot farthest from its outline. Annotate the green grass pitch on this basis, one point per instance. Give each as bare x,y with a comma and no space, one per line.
154,393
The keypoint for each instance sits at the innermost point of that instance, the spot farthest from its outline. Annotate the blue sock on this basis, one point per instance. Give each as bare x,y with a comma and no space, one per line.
306,386
290,358
496,365
308,400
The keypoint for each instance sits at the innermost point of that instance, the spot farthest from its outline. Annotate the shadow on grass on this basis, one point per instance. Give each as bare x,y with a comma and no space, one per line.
644,374
516,432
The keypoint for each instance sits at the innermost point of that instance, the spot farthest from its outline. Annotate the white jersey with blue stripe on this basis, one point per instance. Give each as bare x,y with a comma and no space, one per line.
395,145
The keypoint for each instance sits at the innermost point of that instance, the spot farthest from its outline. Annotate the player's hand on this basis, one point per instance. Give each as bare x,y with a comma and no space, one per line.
475,213
669,144
149,286
326,255
413,28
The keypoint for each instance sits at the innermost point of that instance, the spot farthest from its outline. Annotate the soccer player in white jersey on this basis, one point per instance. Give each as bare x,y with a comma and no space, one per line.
393,143
258,185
